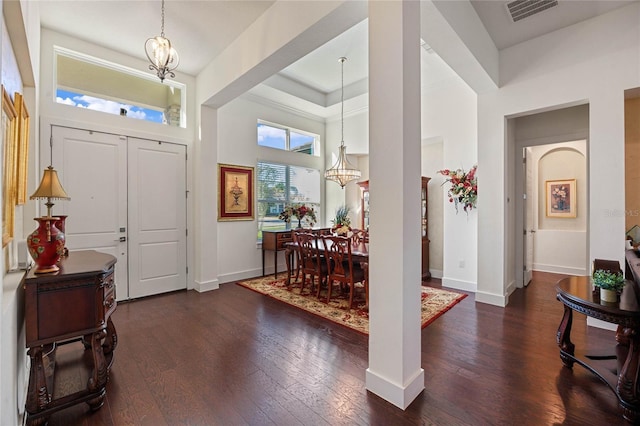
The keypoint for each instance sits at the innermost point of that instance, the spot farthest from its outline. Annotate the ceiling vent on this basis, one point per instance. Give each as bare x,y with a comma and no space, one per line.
520,9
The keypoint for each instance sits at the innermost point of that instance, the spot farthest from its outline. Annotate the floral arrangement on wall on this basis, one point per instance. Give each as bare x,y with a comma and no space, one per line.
300,212
464,187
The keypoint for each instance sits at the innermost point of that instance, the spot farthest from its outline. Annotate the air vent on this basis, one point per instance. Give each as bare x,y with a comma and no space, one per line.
520,9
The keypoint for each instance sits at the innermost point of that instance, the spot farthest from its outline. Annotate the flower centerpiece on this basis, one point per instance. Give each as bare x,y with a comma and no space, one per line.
610,284
342,221
298,211
464,187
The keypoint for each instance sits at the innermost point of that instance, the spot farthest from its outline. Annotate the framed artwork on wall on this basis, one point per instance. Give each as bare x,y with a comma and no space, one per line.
561,198
9,152
22,157
235,192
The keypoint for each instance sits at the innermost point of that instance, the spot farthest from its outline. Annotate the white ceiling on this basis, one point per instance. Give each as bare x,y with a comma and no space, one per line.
200,30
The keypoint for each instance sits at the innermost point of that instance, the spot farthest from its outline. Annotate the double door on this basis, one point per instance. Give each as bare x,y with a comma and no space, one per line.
128,199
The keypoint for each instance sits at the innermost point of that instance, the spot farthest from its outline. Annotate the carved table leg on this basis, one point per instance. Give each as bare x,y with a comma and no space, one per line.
99,376
110,343
563,337
38,397
627,387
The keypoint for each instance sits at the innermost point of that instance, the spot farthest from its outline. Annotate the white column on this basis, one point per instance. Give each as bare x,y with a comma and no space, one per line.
206,202
394,371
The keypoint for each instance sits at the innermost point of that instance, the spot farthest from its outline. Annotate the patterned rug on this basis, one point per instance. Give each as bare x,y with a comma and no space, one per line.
435,302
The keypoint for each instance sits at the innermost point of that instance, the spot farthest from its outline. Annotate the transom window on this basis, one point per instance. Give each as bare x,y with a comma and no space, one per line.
287,139
87,82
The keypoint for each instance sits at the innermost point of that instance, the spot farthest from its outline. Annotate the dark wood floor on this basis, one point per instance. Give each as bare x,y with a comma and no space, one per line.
235,357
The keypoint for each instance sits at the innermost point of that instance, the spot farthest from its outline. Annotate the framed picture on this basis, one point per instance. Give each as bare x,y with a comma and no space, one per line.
561,198
22,134
235,192
9,152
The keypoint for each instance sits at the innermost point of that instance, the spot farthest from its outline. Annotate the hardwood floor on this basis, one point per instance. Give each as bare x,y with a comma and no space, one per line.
235,357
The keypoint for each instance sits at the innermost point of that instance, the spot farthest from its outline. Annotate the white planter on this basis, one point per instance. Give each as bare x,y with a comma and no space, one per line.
608,295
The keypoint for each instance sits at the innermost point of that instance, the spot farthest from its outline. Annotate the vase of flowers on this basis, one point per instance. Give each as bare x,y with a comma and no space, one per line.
464,187
609,283
299,212
341,221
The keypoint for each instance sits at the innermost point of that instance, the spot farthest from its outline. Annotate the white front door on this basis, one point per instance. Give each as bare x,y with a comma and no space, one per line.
128,199
157,217
92,168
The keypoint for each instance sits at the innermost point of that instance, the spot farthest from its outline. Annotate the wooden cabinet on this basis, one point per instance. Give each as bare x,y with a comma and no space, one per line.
424,206
424,201
73,305
364,204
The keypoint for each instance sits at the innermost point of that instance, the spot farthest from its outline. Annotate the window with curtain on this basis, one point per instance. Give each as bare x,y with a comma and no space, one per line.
281,184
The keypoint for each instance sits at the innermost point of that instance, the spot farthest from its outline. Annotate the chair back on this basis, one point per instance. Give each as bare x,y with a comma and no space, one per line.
360,236
606,265
337,251
308,248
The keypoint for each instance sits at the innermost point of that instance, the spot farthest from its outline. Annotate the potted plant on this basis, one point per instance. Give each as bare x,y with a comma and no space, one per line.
609,283
342,221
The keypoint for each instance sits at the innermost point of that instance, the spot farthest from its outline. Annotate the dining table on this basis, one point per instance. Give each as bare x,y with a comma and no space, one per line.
359,253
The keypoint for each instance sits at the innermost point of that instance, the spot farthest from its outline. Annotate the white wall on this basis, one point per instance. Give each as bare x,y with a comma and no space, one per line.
593,61
239,255
450,112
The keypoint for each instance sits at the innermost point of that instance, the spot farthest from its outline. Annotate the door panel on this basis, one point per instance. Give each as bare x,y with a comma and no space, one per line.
92,169
528,219
157,217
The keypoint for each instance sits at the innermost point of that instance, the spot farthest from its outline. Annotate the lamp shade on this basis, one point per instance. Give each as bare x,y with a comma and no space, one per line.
342,172
50,186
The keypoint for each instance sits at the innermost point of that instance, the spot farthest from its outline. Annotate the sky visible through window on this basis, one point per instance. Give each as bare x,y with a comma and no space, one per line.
275,137
110,107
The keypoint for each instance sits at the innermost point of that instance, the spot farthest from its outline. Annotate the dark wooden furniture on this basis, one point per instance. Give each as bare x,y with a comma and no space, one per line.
341,266
311,260
364,204
74,304
424,225
275,241
577,294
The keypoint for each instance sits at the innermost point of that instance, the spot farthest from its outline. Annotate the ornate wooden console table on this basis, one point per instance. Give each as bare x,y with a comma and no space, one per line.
73,305
576,293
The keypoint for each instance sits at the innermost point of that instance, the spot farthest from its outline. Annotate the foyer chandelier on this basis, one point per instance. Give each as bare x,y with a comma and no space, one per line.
342,172
164,58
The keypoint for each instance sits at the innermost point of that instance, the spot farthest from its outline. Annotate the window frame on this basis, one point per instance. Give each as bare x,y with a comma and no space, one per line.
288,130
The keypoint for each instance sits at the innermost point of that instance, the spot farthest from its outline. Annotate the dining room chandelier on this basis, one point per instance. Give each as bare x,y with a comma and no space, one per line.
163,57
342,172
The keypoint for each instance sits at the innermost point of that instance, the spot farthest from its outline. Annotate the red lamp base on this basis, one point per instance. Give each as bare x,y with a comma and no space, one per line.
46,245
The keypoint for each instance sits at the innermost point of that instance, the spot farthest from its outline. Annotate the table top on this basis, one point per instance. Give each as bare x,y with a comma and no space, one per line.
578,293
359,251
77,263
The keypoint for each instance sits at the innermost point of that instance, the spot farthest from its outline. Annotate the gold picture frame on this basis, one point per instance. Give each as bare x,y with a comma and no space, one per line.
22,114
9,140
561,198
235,192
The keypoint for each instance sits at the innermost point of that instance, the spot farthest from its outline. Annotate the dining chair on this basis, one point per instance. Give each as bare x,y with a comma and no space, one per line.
311,260
360,236
340,265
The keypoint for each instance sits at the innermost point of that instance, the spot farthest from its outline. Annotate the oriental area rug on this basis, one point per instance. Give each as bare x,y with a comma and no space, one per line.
434,302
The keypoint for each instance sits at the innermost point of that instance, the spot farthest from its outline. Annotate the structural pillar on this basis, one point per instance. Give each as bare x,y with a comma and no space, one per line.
394,372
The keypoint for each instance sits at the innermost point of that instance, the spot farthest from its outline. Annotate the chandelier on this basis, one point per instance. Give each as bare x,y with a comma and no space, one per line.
164,58
342,172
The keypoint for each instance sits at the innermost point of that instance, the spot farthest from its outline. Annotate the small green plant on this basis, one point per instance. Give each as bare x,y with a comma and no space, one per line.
342,217
608,280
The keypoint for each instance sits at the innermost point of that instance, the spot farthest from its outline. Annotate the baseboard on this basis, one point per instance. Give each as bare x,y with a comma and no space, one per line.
556,269
245,275
459,284
401,397
511,287
492,299
201,287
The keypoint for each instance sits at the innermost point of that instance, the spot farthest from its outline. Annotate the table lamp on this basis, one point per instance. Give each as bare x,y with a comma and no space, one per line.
46,244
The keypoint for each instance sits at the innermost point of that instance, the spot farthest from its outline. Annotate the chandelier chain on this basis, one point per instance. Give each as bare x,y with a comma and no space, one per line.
342,101
162,27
